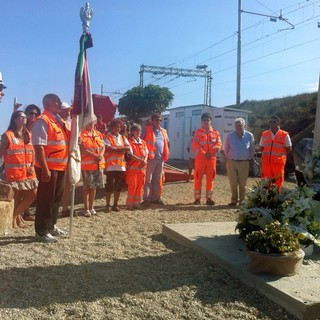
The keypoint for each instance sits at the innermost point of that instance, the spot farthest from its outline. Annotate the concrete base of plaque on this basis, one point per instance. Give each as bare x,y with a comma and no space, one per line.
6,217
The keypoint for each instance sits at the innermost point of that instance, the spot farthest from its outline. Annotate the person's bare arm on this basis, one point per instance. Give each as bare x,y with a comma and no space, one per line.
4,144
41,158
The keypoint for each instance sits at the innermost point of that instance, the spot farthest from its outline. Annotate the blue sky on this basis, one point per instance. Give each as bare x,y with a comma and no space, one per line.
40,39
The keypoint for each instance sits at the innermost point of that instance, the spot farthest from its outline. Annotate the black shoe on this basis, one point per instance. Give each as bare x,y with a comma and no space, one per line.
210,202
145,203
196,202
159,201
232,204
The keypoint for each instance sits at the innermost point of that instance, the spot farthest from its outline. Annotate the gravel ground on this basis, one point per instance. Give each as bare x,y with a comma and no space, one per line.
119,266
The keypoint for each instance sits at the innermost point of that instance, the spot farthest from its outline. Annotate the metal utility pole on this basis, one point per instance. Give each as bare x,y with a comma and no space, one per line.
110,92
200,71
238,96
273,19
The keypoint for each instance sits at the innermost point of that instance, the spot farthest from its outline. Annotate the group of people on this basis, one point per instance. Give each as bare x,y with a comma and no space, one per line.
35,150
238,150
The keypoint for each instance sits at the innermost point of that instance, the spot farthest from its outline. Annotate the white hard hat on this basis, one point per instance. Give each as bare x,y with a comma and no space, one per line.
2,86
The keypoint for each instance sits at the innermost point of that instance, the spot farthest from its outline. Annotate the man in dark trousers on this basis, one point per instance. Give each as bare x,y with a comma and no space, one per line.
50,141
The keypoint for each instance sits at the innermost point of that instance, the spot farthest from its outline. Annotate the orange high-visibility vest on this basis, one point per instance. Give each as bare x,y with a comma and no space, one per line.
114,158
206,141
57,150
274,151
150,140
91,141
140,150
19,158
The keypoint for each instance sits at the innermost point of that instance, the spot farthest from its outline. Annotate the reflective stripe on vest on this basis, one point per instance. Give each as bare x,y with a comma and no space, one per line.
56,150
18,158
139,150
91,141
150,140
206,141
113,158
274,151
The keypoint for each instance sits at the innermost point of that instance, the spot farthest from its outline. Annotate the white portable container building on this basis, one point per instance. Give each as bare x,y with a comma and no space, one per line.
184,120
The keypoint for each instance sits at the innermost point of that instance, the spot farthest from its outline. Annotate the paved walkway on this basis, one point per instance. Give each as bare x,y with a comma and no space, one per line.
218,241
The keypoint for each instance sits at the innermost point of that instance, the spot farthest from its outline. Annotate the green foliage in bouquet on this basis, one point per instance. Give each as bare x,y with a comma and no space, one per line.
262,205
294,207
311,165
275,238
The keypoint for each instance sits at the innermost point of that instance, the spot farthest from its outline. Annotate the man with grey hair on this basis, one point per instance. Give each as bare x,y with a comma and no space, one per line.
238,149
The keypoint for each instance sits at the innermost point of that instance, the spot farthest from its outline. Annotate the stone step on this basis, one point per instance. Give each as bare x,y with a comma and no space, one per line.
220,243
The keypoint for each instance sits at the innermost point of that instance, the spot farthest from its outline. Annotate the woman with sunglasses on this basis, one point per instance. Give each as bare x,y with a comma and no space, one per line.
19,159
32,112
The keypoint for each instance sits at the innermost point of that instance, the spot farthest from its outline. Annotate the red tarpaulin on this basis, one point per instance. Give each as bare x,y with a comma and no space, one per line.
103,106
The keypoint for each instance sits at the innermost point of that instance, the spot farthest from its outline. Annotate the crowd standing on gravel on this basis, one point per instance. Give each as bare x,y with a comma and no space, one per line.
35,149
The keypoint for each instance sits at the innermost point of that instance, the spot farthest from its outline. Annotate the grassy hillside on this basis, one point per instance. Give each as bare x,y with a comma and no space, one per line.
296,113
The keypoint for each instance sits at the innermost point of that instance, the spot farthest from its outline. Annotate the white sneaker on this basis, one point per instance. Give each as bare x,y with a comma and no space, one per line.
93,212
87,213
57,232
47,238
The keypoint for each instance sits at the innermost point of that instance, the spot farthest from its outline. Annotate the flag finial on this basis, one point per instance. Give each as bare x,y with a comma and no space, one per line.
86,15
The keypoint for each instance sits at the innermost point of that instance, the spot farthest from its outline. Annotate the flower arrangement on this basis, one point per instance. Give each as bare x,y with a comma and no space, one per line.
275,238
294,207
311,166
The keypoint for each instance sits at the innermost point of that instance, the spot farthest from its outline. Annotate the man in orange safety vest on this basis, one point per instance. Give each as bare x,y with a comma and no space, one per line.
206,143
275,145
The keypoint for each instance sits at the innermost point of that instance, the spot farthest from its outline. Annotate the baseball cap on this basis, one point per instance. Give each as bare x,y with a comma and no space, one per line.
65,105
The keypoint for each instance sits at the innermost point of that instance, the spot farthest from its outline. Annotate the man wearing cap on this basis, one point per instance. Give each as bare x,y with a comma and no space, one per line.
2,87
206,143
238,149
50,140
65,114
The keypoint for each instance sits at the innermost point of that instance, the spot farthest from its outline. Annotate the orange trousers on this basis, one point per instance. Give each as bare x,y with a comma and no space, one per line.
204,166
135,181
275,171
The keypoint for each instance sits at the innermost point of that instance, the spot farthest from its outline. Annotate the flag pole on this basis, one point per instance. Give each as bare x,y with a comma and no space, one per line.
82,113
73,189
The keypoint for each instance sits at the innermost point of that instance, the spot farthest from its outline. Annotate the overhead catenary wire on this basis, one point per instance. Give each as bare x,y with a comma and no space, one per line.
216,62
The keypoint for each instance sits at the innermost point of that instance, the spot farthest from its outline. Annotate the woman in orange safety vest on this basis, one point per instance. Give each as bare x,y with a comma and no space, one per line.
116,146
92,164
136,168
19,157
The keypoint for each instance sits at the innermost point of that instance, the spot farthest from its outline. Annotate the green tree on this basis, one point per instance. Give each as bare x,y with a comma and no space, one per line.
141,102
